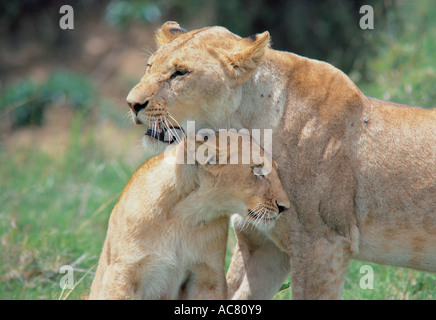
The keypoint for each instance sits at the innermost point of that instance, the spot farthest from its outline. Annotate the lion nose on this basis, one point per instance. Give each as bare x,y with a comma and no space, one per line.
281,208
136,107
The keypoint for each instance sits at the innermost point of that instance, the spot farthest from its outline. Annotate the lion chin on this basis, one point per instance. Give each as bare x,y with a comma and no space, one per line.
154,146
156,142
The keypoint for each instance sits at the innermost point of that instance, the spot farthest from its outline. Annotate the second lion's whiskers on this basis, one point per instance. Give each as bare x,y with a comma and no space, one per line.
258,212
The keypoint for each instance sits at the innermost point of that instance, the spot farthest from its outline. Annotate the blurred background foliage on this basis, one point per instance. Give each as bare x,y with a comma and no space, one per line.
404,66
25,100
66,144
321,29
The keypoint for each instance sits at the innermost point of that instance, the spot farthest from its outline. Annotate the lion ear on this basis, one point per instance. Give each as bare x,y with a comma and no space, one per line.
248,57
207,153
168,32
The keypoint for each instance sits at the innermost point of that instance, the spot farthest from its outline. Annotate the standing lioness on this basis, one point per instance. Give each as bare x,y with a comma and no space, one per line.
360,172
167,235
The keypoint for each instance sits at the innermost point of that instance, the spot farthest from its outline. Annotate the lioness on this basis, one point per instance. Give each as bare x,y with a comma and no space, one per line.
360,172
167,235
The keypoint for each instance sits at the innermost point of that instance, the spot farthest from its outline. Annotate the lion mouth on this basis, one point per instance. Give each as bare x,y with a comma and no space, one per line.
165,135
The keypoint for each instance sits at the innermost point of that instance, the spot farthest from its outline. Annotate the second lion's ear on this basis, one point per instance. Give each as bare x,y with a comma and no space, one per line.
168,32
248,55
207,153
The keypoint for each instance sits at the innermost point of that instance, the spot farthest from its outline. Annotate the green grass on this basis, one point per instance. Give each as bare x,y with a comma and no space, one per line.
54,210
390,283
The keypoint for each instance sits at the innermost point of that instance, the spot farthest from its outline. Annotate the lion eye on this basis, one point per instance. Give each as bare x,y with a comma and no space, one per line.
257,171
178,73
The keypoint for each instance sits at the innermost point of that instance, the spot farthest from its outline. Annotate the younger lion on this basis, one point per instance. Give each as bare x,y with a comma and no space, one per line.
167,234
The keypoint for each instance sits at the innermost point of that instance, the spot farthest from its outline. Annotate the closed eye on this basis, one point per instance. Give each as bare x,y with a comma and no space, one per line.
258,172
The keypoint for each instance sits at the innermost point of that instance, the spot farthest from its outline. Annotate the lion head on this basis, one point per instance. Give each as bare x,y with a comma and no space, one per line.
193,76
231,176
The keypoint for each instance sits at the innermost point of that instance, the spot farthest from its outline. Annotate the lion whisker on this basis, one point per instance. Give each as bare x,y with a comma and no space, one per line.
173,131
258,219
148,50
256,213
154,130
128,117
246,224
177,123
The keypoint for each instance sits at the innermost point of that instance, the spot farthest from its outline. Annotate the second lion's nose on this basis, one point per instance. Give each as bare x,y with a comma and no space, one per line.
136,107
281,207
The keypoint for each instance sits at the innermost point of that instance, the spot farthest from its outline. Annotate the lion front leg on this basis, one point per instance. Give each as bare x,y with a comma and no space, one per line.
258,267
116,283
206,283
319,268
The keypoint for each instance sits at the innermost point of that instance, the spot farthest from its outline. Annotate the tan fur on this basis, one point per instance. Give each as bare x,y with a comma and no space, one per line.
167,235
360,172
